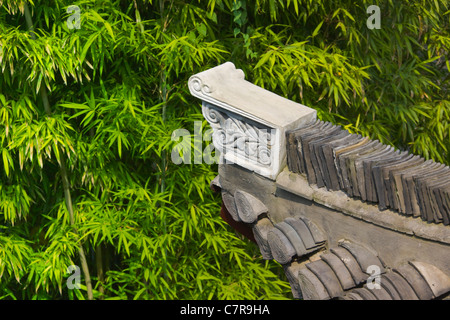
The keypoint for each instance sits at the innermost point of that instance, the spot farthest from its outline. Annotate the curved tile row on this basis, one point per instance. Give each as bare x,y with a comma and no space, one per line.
283,241
342,272
414,280
367,169
341,268
260,231
294,237
243,206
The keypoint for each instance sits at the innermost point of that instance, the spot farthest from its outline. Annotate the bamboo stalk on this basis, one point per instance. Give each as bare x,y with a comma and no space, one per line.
69,205
163,94
63,170
100,271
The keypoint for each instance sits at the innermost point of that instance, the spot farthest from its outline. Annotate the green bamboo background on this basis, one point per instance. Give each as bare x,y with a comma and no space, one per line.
86,117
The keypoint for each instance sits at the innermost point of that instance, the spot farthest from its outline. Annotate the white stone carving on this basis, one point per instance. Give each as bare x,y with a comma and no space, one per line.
238,138
249,122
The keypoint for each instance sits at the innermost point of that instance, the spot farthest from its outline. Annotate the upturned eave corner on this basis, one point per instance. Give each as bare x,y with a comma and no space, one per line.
249,122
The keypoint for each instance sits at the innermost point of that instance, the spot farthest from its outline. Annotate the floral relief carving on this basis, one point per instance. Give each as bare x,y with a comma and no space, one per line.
244,139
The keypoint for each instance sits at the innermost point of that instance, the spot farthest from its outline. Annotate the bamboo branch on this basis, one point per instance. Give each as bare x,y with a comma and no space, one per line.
63,170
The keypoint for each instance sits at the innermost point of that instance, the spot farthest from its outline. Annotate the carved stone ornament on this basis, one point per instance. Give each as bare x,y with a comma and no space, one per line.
238,138
241,114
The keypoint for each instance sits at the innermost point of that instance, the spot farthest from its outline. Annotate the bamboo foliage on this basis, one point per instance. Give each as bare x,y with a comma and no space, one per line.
117,89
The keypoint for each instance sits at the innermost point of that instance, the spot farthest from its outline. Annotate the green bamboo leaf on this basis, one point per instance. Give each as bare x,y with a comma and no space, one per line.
317,29
110,31
6,161
87,45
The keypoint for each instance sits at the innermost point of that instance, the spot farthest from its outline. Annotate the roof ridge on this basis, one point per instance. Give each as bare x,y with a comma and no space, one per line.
331,157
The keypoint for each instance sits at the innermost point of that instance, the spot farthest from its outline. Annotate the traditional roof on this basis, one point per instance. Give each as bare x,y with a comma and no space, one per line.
333,158
347,217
